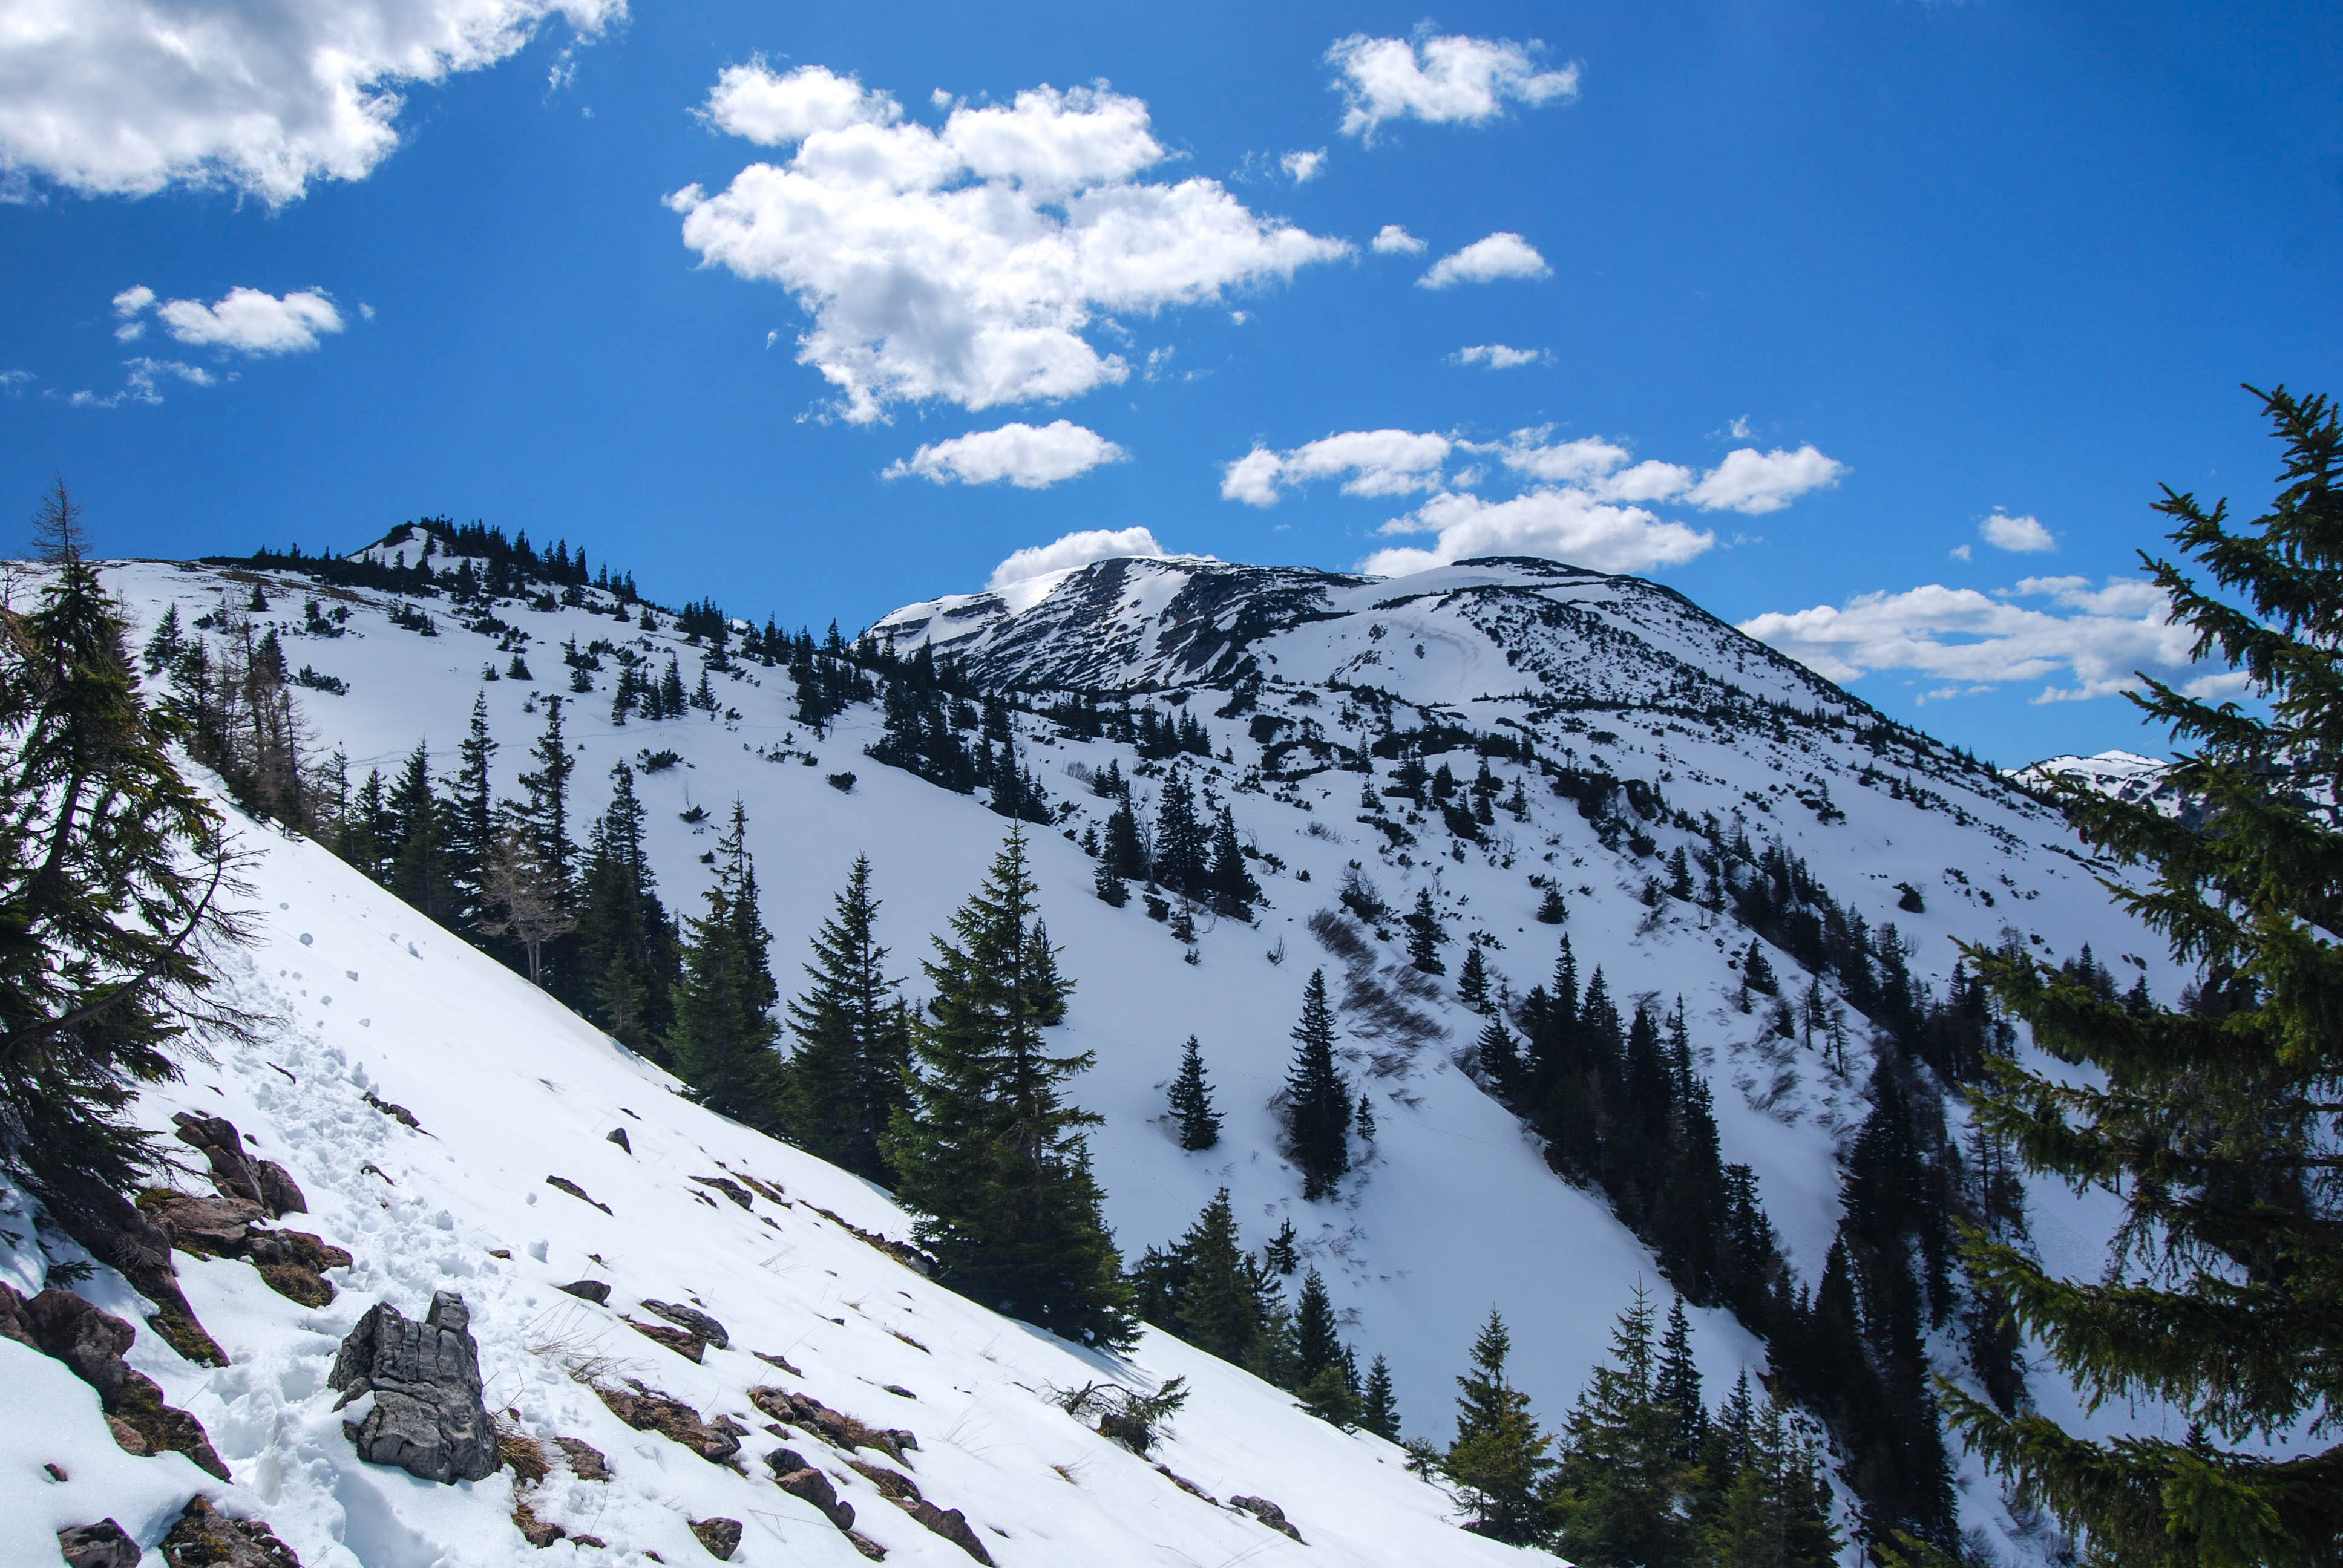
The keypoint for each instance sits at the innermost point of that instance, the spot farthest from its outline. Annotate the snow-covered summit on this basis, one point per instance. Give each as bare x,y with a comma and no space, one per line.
2124,774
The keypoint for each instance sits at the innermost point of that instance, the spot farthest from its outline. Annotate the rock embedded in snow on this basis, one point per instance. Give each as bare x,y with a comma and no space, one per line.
104,1544
812,1486
682,1342
619,1137
427,1418
235,1173
593,1290
647,1410
1268,1513
720,1536
208,1227
587,1462
691,1318
91,1342
205,1538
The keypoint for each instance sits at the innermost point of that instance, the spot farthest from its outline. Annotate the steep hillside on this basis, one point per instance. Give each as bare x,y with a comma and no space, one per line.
454,1130
1626,734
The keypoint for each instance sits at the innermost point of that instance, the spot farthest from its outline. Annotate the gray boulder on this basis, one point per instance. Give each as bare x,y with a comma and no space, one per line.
104,1544
428,1419
693,1319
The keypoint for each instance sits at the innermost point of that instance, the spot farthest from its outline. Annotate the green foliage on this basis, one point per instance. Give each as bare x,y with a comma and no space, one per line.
1191,1102
1425,935
626,947
724,1038
1378,1406
2213,1122
854,1040
988,1148
1499,1456
1318,1100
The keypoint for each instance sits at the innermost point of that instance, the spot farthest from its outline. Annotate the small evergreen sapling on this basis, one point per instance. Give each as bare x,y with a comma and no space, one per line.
1318,1101
1191,1102
1425,935
1473,980
1551,910
1378,1406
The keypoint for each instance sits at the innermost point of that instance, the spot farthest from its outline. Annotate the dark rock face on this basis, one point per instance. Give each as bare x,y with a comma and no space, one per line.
835,1427
1268,1513
90,1343
205,1538
104,1544
812,1486
691,1317
279,1193
720,1536
593,1290
209,1227
428,1419
682,1342
646,1410
619,1137
953,1526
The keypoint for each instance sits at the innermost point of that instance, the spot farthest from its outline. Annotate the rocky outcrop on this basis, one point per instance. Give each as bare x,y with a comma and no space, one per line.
91,1342
904,1493
587,1462
205,1538
720,1536
564,1184
646,1410
834,1427
682,1342
1268,1513
812,1486
292,1262
104,1544
238,1174
691,1318
593,1290
428,1419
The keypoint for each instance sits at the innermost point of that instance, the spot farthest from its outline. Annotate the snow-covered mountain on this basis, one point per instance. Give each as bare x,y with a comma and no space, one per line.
2124,774
1647,719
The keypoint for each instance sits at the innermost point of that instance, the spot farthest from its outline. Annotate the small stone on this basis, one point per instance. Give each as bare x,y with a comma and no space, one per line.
900,1392
104,1544
953,1526
785,1462
594,1541
868,1547
691,1317
538,1533
1268,1513
688,1345
587,1461
564,1184
781,1361
593,1290
56,1471
619,1137
720,1536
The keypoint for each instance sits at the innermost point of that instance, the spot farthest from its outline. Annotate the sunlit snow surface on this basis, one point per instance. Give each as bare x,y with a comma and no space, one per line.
1453,1211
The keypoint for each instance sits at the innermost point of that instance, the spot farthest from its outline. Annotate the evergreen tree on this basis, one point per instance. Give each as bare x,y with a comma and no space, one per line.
546,811
1766,1504
626,947
1325,1377
724,1039
114,882
1318,1101
1425,935
2214,1124
854,1034
471,819
1191,1102
1123,855
1233,887
1620,1491
1473,980
1676,1386
1379,1406
1499,1456
1551,910
1183,851
1279,1254
418,862
988,1148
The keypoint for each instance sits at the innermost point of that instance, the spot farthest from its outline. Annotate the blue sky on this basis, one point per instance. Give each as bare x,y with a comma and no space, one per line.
1810,311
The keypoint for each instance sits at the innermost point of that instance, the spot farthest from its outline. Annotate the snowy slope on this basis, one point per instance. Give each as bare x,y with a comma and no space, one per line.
2126,775
1455,1211
507,1089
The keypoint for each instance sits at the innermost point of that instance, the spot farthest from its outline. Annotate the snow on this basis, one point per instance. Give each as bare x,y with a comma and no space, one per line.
1452,1212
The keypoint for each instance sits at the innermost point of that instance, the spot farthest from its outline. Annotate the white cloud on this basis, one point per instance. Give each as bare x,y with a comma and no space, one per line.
144,383
1028,456
1375,463
1959,552
1975,640
1443,80
128,307
1752,481
1071,550
2021,535
1566,523
1392,240
246,320
966,264
123,98
1502,254
1498,357
1303,167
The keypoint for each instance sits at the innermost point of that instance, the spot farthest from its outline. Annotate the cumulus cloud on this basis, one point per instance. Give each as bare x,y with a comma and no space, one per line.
144,383
1498,357
1369,463
1980,641
1070,550
1754,482
1502,254
1303,167
2021,535
124,98
1026,455
1567,524
1392,240
243,321
1585,500
966,263
1444,80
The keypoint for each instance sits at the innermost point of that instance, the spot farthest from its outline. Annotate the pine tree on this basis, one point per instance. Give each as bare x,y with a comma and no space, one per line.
854,1034
725,1039
1425,935
1324,1376
1191,1102
1551,910
471,819
1676,1386
418,862
1620,1490
1318,1101
1379,1407
1280,1255
626,948
988,1148
1233,887
114,886
1766,1504
1499,1456
1473,980
1123,856
1182,850
2213,1123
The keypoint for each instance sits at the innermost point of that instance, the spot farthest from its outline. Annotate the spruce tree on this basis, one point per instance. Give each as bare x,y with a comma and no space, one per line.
1767,1504
626,948
1233,887
988,1148
1620,1491
1280,1255
1182,850
1473,981
114,886
725,1040
1123,855
418,863
1498,1459
1676,1386
1424,935
471,819
854,1040
1191,1102
1323,1375
1379,1406
1317,1099
1551,910
2212,1123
